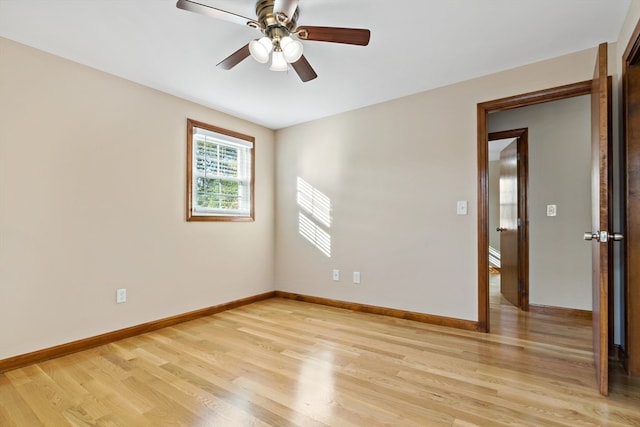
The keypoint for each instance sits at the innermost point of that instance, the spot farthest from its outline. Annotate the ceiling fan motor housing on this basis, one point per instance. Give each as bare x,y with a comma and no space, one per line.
273,28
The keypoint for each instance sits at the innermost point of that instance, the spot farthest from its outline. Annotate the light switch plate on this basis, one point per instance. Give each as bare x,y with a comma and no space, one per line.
552,210
461,208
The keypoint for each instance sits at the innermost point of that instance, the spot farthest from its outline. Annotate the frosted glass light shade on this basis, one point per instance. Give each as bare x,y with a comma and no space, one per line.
292,49
260,49
278,62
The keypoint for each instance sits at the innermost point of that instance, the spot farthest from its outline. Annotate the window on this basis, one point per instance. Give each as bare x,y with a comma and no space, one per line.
219,174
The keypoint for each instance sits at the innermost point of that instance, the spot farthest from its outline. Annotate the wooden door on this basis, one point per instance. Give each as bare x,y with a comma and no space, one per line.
600,198
509,253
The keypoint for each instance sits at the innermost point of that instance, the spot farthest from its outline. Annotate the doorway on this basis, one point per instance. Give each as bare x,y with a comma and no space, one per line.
509,217
483,110
600,234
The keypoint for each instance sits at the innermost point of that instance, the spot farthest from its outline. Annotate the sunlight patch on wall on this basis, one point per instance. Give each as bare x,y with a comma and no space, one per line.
315,212
313,233
314,202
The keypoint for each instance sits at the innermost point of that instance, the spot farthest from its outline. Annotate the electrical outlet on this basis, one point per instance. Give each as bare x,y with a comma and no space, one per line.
121,296
356,277
552,210
336,275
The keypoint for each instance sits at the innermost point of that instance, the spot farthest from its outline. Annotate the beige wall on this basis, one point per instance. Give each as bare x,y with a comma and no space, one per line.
559,174
92,196
92,199
394,172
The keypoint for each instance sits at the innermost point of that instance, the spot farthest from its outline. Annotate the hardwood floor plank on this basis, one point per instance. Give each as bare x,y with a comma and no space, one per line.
14,410
46,399
237,397
281,362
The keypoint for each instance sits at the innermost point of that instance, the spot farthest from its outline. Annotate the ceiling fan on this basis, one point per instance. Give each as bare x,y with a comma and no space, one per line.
277,20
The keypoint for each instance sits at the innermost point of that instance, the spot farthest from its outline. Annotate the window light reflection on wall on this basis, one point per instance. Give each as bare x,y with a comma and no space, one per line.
314,234
314,202
315,213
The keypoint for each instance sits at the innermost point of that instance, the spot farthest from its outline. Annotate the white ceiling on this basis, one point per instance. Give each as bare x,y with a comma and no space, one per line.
415,45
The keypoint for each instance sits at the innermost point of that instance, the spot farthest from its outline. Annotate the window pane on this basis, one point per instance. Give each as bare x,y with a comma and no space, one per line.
215,159
217,193
221,179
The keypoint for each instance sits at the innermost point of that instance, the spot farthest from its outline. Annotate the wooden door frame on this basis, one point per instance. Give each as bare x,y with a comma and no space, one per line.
630,355
522,138
483,110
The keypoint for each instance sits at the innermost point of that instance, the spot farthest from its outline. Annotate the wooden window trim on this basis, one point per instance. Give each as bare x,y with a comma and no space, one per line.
191,124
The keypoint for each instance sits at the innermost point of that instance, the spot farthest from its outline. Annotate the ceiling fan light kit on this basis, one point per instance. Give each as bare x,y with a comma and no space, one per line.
292,49
277,20
260,49
278,62
284,49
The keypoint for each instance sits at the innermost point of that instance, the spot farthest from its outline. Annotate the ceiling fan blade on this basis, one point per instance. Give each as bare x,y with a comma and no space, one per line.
286,7
235,58
357,36
213,12
304,69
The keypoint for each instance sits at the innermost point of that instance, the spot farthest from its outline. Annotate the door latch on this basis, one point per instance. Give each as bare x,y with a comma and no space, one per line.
591,236
603,236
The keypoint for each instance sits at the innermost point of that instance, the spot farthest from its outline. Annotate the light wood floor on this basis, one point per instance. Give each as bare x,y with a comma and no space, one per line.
287,363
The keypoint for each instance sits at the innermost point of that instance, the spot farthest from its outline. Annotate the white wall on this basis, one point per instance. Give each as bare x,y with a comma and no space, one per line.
559,174
92,198
394,172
